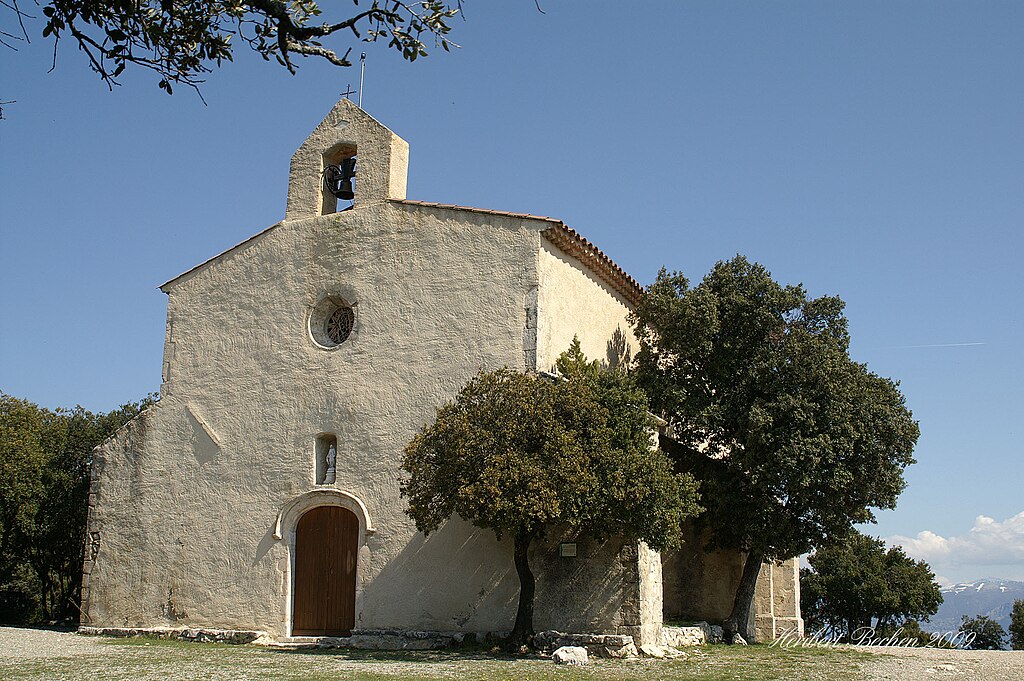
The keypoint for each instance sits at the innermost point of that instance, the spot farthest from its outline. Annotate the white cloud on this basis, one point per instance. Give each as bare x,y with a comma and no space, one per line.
988,543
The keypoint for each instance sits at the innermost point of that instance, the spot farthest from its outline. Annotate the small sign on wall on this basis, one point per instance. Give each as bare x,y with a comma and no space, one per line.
567,550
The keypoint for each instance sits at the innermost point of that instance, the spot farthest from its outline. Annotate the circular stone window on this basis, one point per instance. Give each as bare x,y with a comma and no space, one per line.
331,322
339,325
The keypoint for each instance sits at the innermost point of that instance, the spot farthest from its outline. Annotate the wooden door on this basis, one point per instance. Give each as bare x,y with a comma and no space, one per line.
326,543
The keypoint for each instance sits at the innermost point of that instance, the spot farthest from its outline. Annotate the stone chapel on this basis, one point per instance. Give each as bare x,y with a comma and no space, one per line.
260,494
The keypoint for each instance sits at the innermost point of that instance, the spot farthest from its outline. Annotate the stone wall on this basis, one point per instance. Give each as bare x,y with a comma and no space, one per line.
700,586
777,600
652,590
600,590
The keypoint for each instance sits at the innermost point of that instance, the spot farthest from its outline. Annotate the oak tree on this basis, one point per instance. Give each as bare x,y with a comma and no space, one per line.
45,458
1017,625
521,453
792,441
982,633
856,582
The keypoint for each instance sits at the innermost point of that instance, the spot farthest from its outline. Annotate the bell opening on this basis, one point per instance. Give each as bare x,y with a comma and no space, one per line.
338,180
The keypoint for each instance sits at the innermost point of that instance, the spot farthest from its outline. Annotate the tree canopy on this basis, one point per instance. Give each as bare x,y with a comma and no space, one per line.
181,40
1017,625
793,442
44,465
855,582
983,633
521,453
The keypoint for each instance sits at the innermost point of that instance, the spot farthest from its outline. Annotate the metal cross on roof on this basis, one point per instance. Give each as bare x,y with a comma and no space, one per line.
348,91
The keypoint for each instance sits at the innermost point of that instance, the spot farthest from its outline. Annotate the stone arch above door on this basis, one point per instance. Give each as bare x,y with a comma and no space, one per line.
292,510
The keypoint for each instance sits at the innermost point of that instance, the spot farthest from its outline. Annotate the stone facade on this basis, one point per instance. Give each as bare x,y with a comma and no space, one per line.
194,505
699,586
777,601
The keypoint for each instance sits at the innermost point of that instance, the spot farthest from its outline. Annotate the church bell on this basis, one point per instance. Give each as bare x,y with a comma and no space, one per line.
338,179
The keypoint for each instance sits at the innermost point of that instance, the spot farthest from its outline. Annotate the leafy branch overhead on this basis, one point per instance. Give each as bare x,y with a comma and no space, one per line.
181,40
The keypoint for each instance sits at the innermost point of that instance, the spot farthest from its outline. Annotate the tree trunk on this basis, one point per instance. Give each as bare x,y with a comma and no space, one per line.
738,621
522,632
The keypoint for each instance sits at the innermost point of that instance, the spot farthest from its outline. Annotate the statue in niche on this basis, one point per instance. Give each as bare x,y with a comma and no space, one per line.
331,460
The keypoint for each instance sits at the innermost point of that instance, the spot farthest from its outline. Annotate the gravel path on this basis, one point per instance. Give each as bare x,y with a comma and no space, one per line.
37,653
41,644
68,655
934,663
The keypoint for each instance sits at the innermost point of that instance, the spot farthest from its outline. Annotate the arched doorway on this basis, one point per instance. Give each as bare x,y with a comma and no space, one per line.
326,547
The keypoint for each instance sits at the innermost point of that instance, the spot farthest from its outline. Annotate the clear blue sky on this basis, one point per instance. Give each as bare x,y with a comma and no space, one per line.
873,150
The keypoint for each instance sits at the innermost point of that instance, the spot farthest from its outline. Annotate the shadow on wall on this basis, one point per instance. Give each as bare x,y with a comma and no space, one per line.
595,591
618,354
462,578
267,542
699,584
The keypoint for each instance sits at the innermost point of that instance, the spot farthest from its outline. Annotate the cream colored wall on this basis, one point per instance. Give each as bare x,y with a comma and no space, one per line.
186,526
573,301
188,496
624,593
699,585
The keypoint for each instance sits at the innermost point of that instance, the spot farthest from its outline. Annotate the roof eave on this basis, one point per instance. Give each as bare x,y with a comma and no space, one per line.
565,238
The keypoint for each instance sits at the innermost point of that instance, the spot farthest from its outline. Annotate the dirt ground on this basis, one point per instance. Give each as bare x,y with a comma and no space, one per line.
934,663
44,654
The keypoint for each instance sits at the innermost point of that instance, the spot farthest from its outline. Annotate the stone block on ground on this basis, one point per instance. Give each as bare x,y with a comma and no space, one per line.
651,650
601,645
712,632
619,652
572,655
683,637
660,652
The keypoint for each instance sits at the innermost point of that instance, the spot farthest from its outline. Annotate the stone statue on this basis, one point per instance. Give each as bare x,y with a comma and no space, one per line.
332,460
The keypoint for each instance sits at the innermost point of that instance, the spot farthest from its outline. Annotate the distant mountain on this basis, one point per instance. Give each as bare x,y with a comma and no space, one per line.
992,597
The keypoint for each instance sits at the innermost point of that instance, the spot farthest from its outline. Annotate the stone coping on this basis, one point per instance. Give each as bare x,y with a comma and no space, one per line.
186,634
556,639
602,645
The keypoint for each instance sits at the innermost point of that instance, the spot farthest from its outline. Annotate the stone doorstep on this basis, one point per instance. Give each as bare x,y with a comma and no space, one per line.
376,639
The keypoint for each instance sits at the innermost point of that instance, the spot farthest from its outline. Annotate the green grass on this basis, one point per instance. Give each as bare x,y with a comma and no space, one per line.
141,659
